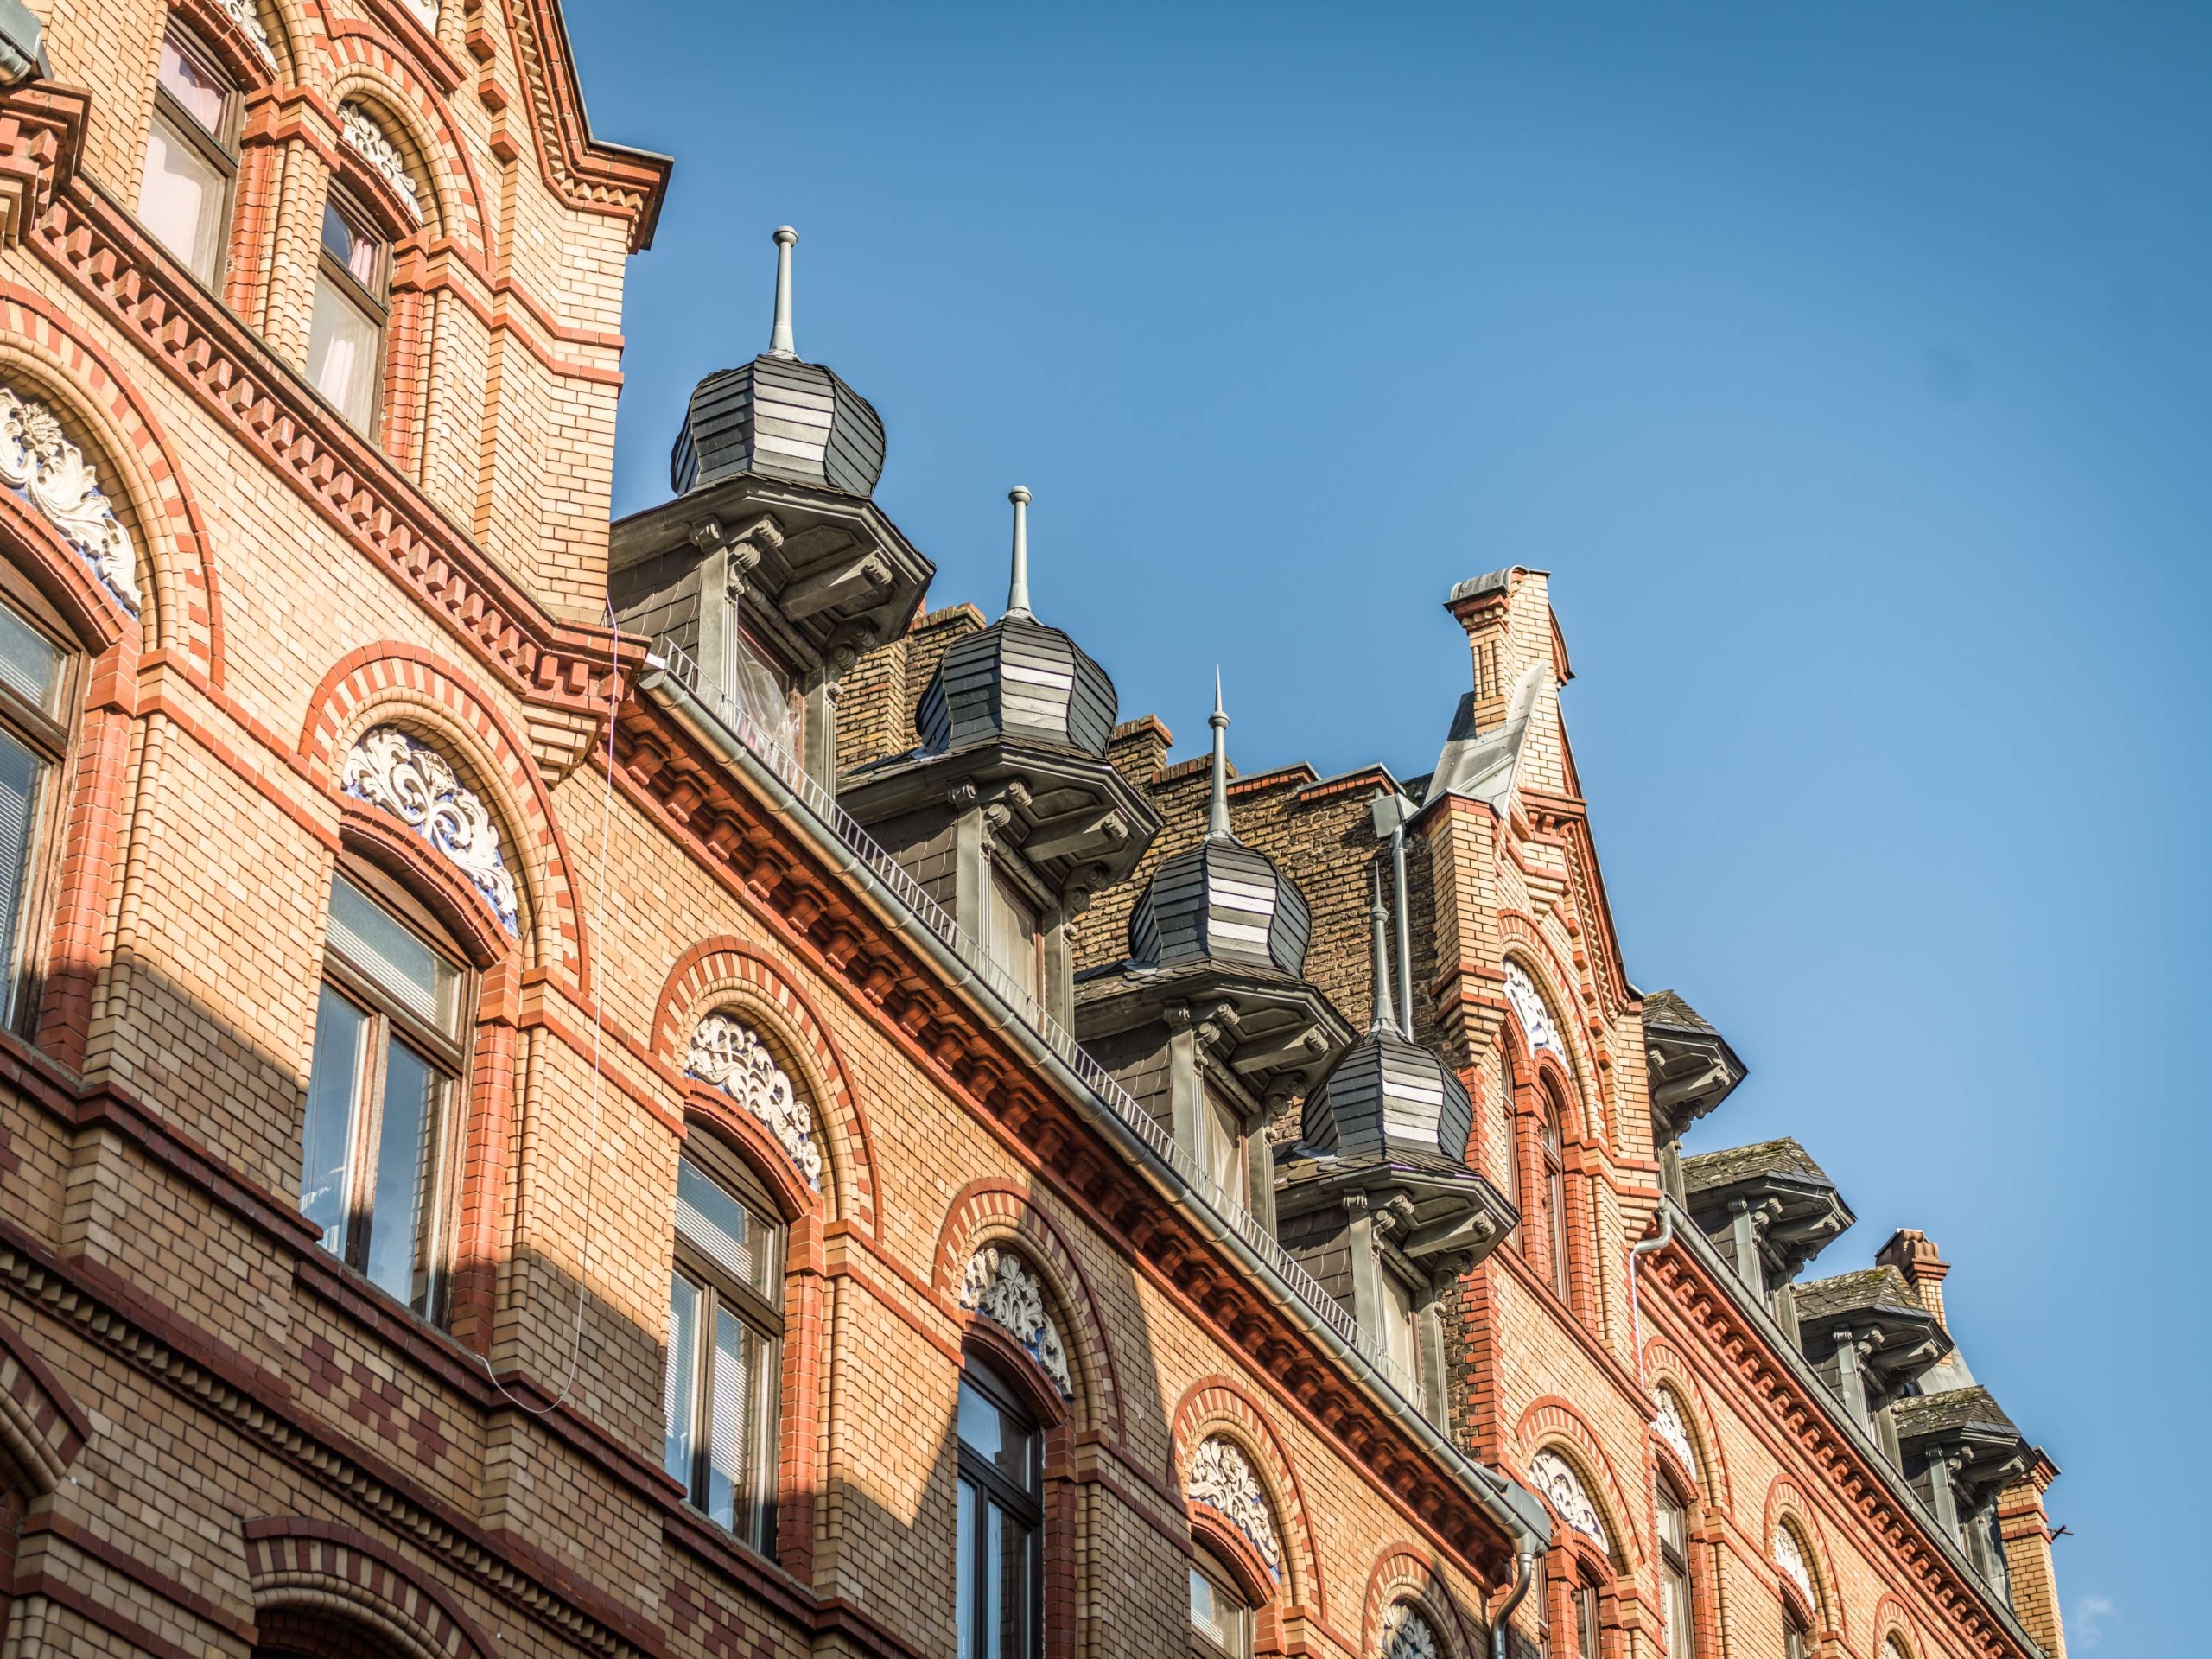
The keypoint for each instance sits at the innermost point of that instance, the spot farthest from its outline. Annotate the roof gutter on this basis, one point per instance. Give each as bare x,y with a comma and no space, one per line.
1517,1511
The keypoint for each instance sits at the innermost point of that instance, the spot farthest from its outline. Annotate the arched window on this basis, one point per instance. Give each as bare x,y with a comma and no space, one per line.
1796,1643
36,672
1582,1602
192,155
1406,1634
1675,1573
1221,1613
1555,1191
390,1052
725,1344
352,301
999,1579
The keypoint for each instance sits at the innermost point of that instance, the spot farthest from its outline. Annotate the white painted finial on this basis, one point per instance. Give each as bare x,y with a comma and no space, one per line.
1218,814
779,338
1017,591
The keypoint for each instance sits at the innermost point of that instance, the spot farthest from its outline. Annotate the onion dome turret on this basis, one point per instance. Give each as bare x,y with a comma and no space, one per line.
1221,901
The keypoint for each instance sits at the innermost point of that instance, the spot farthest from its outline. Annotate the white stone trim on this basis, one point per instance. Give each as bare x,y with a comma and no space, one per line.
1790,1556
1554,1478
1222,1478
415,783
1407,1635
1673,1431
1006,1290
733,1059
51,472
242,13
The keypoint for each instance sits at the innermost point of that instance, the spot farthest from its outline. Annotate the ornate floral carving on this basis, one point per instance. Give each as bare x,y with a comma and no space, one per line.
1790,1556
1670,1428
426,12
1222,1479
52,473
1406,1634
367,139
242,13
1556,1479
1006,1290
730,1057
1530,1008
413,782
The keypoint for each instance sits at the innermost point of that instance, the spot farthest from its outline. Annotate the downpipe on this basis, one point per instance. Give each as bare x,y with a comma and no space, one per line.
1525,1574
1651,1246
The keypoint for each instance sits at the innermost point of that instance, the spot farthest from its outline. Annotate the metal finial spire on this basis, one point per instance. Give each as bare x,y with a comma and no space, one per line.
779,338
1017,591
1385,1022
1218,814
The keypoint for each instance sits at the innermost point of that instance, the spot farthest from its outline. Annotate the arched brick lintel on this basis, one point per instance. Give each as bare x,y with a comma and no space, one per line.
295,1563
991,1209
391,676
1787,1500
1218,1404
1406,1571
716,967
1551,1420
1664,1363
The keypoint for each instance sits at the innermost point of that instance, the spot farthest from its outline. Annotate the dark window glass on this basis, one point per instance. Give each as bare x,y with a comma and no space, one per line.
998,1598
1555,1193
345,331
32,673
1586,1621
184,190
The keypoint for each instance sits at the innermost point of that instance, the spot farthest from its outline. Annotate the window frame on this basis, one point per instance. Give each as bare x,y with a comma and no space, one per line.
1001,890
219,150
374,303
719,1290
448,1056
1204,1565
993,1487
1588,1616
1551,1145
1678,1586
49,737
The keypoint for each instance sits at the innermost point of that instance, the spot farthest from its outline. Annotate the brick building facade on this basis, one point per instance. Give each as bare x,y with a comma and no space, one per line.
779,1126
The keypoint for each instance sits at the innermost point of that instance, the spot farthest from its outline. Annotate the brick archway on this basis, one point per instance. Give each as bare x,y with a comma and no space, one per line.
1664,1364
991,1210
729,969
1551,1421
361,61
309,1575
1406,1573
1218,1405
1787,1502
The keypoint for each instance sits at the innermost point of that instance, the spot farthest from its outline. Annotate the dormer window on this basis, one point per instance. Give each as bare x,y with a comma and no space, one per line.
346,339
1401,1334
184,196
1011,936
1221,1149
767,691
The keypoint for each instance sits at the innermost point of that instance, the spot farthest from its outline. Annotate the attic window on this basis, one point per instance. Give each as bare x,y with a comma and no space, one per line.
1010,928
766,691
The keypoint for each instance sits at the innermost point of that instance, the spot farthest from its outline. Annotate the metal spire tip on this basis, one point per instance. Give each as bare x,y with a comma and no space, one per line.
1017,591
780,343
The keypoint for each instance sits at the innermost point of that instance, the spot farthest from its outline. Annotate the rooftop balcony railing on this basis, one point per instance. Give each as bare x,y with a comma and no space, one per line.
823,805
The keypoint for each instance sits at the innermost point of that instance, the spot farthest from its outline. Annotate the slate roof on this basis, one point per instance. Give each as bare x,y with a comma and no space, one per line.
1668,1008
1869,1287
1783,1157
1921,1415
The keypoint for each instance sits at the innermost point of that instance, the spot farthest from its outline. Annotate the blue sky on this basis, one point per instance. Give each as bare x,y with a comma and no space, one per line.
1846,365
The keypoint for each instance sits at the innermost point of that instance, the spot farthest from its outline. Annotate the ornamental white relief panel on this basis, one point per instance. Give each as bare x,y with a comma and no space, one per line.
365,136
1536,1017
733,1059
1222,1478
242,13
1673,1431
1407,1635
1006,1290
1554,1478
417,785
1790,1556
52,474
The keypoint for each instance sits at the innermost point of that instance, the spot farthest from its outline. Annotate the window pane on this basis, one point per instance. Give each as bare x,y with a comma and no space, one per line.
1586,1621
1012,943
1399,1327
1218,1613
30,663
1224,1153
996,1646
734,1239
766,693
189,78
1682,1642
350,247
963,1569
1003,1440
343,345
333,1087
20,774
404,968
682,1393
181,200
729,1419
396,1212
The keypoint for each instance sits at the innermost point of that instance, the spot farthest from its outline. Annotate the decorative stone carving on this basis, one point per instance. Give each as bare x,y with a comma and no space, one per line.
1530,1008
426,12
242,13
1790,1556
1673,1430
1222,1479
52,473
367,139
1006,1290
1406,1634
1556,1479
414,783
731,1057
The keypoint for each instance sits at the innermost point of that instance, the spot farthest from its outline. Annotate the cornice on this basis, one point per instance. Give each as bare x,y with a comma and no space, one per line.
1746,1342
560,671
1568,817
599,178
732,834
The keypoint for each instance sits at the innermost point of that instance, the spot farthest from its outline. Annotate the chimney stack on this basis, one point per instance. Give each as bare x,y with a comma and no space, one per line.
1913,1254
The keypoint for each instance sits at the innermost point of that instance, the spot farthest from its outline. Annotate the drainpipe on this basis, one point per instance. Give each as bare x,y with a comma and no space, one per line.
1651,1246
1524,1574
